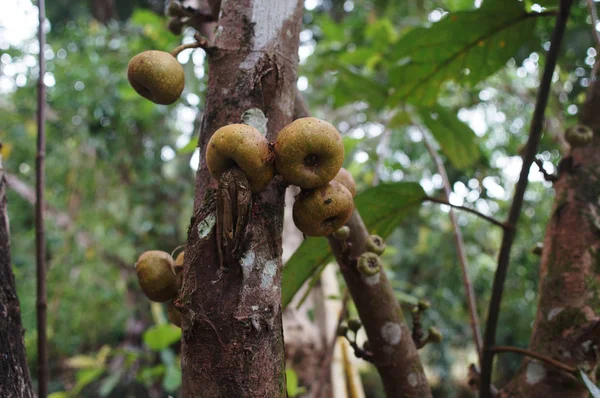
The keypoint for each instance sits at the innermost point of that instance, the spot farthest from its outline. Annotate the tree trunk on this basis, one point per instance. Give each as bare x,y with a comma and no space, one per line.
232,344
567,324
14,374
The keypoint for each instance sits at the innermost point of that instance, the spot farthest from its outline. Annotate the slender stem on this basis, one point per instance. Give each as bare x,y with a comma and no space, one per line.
535,355
547,176
467,209
460,249
508,237
40,241
201,42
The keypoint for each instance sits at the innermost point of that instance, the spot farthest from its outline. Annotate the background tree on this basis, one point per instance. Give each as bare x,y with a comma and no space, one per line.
120,181
14,373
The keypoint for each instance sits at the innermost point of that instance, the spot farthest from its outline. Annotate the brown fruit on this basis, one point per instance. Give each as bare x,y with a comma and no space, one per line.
243,146
345,178
321,211
174,315
157,76
309,152
155,274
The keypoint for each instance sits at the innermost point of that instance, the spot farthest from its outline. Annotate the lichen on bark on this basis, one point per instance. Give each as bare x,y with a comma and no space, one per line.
232,343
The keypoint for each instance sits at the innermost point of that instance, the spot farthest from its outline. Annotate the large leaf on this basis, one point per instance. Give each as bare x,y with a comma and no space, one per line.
457,140
459,5
382,208
352,86
159,337
312,253
465,46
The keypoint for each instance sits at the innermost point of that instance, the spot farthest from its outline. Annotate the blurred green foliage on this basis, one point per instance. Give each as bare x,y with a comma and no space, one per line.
384,72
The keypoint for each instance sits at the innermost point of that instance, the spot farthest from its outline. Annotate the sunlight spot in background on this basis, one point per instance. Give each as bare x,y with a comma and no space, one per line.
167,153
195,160
18,22
302,83
312,4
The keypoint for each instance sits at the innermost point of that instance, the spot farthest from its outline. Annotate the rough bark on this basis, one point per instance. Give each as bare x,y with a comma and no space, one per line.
232,344
14,373
394,352
567,324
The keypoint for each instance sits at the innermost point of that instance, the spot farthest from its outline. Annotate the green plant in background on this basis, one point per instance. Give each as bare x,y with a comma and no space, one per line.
119,179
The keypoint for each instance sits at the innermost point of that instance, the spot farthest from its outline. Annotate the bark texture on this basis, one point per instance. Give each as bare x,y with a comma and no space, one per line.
567,324
14,373
395,354
232,344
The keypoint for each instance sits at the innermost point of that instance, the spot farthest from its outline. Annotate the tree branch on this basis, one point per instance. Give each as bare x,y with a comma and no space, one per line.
40,238
508,237
469,210
460,249
535,355
398,365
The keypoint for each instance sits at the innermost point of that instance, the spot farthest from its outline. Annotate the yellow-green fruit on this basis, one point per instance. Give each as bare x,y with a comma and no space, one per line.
155,274
579,135
345,178
375,244
342,234
369,264
243,146
321,211
157,76
174,315
309,152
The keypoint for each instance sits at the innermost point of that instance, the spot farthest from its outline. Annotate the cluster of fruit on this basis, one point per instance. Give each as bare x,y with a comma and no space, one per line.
160,278
308,153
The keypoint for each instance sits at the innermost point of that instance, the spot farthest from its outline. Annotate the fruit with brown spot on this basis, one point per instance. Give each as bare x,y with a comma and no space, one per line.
321,211
309,152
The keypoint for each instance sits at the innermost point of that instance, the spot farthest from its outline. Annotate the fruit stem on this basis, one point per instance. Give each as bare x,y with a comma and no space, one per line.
201,42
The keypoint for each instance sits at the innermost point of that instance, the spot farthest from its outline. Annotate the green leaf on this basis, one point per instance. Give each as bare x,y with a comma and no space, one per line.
400,118
548,3
172,380
109,383
459,5
59,394
465,46
189,148
292,382
457,140
380,217
159,337
352,85
85,377
594,390
312,254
